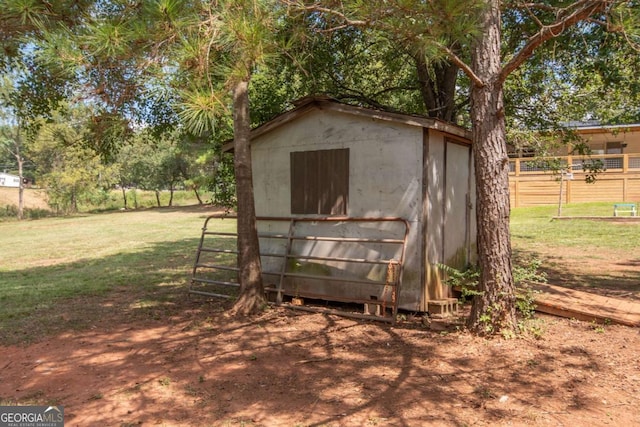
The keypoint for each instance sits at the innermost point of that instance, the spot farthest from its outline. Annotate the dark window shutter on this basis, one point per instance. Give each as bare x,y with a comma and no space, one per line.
320,182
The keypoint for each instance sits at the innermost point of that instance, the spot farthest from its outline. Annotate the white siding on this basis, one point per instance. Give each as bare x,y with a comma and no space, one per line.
385,177
8,180
385,161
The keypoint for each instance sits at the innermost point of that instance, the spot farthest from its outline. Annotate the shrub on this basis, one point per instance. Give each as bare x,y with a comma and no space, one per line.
10,212
524,272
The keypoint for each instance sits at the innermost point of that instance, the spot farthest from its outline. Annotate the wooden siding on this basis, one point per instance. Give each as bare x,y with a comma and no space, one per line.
531,184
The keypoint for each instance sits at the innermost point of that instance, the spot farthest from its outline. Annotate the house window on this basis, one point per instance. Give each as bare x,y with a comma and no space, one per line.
614,147
515,153
320,182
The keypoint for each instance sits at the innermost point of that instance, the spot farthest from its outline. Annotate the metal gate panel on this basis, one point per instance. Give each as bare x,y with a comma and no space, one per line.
352,260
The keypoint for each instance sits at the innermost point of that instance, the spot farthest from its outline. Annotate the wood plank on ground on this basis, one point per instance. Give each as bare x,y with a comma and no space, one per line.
586,306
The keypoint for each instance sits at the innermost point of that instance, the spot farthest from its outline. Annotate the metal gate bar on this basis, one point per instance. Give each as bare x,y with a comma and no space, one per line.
198,265
391,282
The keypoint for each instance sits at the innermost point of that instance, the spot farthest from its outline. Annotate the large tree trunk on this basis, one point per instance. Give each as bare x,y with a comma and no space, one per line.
437,87
494,310
251,299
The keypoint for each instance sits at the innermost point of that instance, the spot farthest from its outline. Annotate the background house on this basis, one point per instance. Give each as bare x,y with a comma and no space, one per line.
615,139
615,148
326,159
8,180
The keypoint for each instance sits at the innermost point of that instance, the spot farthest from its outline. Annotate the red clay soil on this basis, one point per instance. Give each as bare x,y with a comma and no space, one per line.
187,364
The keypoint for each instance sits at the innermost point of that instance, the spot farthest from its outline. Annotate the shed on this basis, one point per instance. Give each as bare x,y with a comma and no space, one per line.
327,160
8,180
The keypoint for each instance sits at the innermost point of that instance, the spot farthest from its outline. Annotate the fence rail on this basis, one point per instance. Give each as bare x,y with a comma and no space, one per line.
536,181
609,162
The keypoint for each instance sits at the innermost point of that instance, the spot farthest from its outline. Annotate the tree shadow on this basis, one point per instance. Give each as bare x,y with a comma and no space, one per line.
138,349
624,282
51,299
196,366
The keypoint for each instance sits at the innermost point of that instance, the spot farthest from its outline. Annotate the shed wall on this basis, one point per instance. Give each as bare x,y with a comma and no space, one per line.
385,177
449,215
458,196
8,180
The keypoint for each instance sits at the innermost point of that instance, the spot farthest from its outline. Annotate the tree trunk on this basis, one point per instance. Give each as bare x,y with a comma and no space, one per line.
20,161
124,195
438,89
158,198
171,190
494,310
195,191
251,299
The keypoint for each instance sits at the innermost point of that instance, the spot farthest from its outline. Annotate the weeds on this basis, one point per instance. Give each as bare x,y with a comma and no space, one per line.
484,392
598,328
466,281
10,212
525,271
532,327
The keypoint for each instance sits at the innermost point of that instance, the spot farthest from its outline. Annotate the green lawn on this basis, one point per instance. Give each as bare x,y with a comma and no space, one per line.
535,227
52,266
59,274
596,256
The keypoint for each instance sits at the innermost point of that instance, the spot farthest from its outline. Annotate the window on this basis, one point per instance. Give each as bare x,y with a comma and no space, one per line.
614,147
515,153
320,182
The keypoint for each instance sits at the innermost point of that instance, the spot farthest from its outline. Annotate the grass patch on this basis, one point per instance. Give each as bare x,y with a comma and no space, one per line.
534,226
61,274
137,199
597,256
60,271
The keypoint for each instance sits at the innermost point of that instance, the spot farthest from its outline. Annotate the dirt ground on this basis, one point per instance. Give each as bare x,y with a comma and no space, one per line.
614,273
32,198
172,360
186,363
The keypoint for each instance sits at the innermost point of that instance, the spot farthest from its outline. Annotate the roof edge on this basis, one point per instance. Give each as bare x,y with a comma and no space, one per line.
631,127
304,105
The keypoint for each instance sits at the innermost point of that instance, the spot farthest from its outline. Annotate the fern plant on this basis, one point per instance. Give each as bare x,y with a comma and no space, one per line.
525,271
466,281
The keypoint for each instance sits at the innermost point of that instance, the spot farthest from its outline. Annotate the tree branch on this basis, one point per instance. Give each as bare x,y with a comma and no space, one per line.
578,11
455,59
376,22
533,16
329,11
